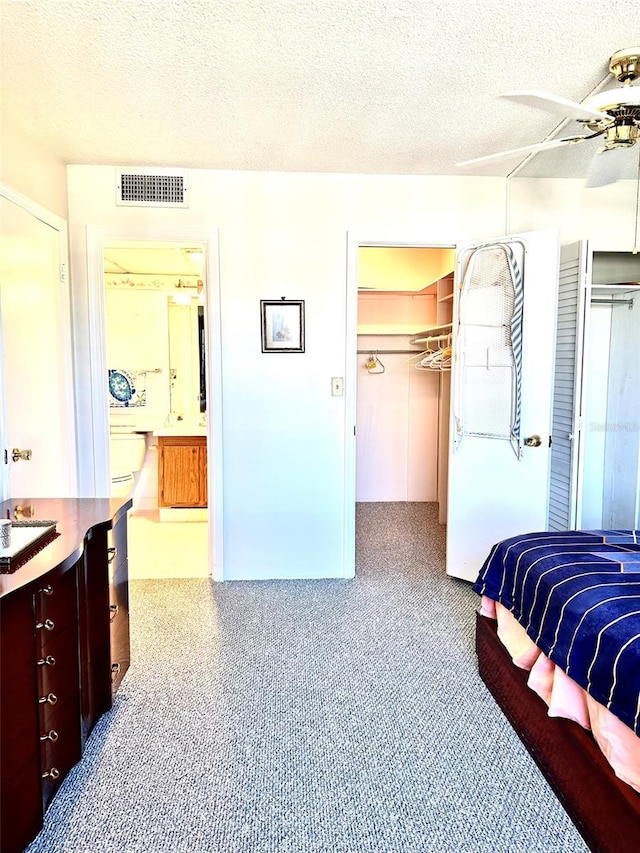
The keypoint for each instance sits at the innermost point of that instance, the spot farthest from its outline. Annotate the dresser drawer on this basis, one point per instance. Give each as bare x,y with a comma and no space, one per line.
53,773
18,708
117,545
119,626
57,666
56,602
59,723
60,734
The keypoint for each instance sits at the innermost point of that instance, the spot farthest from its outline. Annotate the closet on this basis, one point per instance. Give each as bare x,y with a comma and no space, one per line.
595,453
405,300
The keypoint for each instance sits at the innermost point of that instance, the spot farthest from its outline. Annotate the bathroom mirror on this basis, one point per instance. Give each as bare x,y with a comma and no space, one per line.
155,325
187,385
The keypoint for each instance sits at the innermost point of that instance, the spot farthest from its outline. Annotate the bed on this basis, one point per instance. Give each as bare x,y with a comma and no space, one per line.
558,644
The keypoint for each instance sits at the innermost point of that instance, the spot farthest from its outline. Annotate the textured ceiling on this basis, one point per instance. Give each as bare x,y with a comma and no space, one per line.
362,86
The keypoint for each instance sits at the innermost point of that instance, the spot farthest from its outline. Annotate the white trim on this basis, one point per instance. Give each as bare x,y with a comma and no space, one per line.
60,225
97,238
4,475
354,242
98,361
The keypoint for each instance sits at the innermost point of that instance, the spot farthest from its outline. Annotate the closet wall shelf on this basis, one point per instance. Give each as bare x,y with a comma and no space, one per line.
443,329
447,298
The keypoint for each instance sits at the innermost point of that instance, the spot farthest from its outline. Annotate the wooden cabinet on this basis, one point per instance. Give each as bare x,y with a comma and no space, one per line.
182,471
20,806
118,603
105,615
55,616
64,649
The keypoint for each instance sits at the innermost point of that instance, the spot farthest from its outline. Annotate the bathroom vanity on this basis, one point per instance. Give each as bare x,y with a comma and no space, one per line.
182,470
64,648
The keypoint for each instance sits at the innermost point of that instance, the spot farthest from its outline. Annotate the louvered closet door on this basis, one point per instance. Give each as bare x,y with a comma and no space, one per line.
574,296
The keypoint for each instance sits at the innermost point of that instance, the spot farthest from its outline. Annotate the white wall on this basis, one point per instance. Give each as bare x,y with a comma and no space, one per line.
397,409
32,170
604,215
397,438
283,235
138,340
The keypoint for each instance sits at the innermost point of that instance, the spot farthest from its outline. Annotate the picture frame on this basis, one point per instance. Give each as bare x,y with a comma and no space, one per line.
282,325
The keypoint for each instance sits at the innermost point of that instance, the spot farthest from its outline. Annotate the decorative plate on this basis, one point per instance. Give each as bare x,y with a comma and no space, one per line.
121,386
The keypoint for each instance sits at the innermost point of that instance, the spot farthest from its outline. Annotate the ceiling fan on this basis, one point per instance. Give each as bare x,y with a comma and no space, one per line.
613,114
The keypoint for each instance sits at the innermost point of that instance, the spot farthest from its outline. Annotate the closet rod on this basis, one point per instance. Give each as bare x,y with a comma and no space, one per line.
628,302
389,352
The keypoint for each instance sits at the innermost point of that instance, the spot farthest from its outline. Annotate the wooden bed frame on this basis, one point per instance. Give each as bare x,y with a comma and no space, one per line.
605,810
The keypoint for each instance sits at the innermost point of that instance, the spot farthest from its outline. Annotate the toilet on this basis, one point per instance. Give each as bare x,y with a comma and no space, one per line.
126,457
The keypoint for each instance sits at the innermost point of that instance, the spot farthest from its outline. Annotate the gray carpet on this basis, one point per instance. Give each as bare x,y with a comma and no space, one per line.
309,717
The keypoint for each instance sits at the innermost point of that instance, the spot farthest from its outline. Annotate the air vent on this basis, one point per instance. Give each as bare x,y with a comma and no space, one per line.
138,188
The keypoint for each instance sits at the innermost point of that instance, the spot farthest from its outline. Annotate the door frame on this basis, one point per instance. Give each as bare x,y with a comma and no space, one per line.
60,225
354,242
97,238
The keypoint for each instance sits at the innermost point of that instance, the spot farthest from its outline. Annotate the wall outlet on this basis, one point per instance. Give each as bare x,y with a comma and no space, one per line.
337,386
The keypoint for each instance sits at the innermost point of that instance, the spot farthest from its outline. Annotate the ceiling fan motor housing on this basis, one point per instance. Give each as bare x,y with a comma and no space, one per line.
625,64
621,135
620,107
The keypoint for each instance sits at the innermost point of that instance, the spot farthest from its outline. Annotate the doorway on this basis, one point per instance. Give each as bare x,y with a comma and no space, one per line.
156,308
401,299
500,475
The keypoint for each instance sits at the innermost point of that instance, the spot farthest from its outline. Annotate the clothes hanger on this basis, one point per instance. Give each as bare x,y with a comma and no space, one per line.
374,362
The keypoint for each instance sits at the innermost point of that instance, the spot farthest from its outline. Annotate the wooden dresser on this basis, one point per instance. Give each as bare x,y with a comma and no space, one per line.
64,648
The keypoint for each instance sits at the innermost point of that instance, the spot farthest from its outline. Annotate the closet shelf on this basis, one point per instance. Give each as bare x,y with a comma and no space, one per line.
447,298
432,331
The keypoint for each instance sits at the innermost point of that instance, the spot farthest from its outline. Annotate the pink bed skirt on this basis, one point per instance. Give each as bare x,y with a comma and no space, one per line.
564,698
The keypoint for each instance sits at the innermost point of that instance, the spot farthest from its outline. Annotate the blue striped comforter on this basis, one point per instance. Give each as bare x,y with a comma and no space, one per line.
577,595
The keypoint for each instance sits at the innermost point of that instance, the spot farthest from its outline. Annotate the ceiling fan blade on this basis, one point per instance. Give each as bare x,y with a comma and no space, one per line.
606,167
553,103
526,149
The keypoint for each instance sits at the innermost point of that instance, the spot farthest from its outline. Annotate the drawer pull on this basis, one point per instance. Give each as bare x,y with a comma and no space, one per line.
54,773
113,611
115,671
50,699
52,736
48,624
111,554
48,661
46,590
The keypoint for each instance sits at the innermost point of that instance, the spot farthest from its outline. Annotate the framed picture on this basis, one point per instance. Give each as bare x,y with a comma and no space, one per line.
282,325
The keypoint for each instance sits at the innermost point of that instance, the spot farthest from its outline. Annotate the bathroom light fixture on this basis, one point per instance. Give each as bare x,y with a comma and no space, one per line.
196,256
181,299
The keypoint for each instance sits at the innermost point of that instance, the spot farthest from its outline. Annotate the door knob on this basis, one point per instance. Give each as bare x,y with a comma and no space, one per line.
533,441
16,454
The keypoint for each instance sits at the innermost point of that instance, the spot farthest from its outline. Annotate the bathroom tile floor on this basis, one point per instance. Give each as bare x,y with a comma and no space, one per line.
166,549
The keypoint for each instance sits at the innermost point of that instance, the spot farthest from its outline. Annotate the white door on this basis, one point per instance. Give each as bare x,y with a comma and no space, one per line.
37,382
497,489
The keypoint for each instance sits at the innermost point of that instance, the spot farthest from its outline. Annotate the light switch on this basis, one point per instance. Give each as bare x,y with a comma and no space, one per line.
337,386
